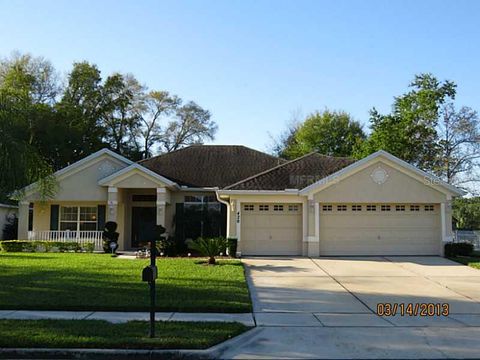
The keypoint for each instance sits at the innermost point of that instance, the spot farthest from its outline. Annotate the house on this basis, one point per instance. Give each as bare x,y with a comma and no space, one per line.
7,213
314,205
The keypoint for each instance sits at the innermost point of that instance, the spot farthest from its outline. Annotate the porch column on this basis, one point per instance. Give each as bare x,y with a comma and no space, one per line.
112,204
23,209
161,204
238,222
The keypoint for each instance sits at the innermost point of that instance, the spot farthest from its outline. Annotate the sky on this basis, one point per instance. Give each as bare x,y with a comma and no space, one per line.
254,64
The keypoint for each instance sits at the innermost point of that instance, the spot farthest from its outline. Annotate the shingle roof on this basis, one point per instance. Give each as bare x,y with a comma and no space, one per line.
211,165
295,174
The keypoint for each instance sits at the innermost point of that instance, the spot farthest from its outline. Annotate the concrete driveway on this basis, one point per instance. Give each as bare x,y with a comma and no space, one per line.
327,308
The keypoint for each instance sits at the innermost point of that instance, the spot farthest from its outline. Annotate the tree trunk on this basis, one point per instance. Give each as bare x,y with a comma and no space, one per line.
211,260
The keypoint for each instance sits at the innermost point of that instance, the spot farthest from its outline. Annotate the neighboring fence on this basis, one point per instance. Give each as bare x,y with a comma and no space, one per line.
67,235
471,236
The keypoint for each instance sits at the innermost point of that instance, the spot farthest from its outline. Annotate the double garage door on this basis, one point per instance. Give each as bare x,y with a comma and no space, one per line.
271,229
379,229
345,229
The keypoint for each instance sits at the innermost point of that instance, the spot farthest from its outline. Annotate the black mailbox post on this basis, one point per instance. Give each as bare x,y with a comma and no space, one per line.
150,274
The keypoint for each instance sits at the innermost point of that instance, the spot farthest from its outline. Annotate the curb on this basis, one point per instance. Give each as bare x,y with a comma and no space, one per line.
218,350
101,354
214,352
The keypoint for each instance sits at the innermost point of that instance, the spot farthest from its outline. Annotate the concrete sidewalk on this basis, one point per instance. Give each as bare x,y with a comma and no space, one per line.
121,317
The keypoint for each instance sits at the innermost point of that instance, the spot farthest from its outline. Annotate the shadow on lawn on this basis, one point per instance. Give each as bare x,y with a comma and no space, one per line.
77,289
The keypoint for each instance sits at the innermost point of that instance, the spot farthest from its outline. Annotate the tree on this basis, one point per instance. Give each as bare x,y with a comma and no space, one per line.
157,105
466,213
409,131
122,97
35,76
460,145
332,133
192,125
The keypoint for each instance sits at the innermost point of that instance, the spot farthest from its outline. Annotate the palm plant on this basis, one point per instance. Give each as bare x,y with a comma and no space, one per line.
208,247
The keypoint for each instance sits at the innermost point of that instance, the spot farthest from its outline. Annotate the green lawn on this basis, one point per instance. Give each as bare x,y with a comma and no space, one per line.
67,281
102,334
472,261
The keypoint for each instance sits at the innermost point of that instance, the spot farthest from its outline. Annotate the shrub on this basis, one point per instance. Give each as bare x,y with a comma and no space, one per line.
167,246
232,247
10,230
45,246
208,247
460,248
110,237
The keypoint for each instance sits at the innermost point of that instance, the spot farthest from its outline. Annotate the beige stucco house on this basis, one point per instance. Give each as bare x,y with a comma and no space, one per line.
313,206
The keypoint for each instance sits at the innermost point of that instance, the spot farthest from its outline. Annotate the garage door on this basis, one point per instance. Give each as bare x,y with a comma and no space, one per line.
271,229
379,229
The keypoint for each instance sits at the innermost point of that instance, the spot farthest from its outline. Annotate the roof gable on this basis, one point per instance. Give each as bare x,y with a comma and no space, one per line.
428,179
136,176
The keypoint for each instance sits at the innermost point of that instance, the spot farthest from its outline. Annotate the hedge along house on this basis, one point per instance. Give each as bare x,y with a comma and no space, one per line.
314,205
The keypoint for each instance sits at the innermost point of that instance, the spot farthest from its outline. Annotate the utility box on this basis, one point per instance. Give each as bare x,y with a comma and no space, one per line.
149,273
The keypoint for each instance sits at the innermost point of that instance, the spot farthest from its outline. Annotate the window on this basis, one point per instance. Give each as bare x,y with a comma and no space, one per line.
371,207
193,199
78,218
263,207
429,208
200,199
399,207
249,207
356,207
327,208
385,208
293,208
277,207
341,207
414,207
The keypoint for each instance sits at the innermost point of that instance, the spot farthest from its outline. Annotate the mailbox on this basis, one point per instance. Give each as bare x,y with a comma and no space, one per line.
149,273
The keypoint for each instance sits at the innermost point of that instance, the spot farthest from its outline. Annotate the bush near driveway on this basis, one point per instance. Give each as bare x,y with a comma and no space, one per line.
473,260
102,334
68,281
460,248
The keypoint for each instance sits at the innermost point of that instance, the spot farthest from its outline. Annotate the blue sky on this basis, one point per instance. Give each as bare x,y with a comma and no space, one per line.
253,63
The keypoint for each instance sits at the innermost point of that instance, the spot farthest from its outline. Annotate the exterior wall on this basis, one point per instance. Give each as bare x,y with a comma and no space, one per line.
5,212
82,185
136,181
399,188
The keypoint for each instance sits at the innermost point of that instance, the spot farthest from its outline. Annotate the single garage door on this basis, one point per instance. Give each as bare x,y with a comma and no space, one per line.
271,229
380,229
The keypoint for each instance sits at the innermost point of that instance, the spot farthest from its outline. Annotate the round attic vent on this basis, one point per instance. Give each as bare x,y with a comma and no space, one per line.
379,176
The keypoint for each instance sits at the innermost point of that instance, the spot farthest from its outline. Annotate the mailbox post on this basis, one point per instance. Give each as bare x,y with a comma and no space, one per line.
150,274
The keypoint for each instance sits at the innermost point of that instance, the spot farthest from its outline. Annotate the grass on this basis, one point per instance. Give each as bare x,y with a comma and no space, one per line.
105,335
66,281
472,260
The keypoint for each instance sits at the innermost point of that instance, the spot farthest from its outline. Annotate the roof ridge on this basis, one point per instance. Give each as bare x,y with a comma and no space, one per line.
210,145
270,170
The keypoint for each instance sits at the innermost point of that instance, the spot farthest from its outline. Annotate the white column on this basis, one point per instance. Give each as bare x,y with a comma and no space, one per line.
317,222
161,204
112,204
305,228
238,220
23,210
443,217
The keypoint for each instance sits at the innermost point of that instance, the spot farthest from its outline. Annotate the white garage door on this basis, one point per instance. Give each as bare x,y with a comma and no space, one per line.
271,229
379,229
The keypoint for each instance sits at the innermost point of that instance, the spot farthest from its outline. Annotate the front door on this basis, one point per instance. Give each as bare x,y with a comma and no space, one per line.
144,221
